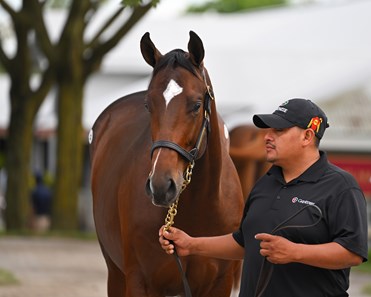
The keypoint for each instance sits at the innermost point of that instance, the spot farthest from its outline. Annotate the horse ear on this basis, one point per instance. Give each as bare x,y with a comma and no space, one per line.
196,49
149,52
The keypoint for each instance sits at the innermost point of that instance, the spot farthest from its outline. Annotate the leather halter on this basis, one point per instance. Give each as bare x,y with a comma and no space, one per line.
191,155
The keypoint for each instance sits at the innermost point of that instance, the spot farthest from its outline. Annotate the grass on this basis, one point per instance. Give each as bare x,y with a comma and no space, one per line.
7,278
367,290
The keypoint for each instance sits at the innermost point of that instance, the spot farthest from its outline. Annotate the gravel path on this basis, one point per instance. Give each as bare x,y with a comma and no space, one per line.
54,267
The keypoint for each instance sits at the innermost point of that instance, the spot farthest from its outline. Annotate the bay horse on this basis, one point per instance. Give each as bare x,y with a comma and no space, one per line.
141,145
247,150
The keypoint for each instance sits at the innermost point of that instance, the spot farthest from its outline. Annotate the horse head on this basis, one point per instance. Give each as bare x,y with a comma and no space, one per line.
178,100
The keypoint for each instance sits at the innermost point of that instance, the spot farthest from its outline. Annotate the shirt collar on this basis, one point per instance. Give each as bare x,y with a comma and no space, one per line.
312,174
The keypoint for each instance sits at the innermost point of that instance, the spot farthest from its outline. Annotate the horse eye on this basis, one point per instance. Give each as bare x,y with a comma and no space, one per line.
146,105
197,107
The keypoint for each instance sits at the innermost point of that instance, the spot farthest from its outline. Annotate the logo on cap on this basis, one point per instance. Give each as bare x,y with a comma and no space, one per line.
282,109
315,124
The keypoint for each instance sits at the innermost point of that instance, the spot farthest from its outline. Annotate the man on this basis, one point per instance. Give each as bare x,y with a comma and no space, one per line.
313,252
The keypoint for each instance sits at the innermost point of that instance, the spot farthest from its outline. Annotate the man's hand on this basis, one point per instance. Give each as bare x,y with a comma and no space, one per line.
277,249
175,238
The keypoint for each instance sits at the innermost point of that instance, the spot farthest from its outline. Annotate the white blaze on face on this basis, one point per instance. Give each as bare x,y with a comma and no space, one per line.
153,170
171,91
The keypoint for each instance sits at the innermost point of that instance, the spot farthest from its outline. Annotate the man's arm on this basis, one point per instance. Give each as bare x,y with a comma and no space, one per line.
222,247
332,255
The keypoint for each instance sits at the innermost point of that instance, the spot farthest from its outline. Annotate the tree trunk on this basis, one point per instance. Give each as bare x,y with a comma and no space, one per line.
71,61
18,167
73,69
69,156
70,81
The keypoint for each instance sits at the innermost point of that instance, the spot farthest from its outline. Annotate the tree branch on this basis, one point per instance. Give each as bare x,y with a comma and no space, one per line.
42,35
5,61
8,8
108,23
76,16
99,51
47,82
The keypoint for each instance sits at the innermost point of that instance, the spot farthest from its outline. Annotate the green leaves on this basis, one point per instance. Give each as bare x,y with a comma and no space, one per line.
230,6
134,3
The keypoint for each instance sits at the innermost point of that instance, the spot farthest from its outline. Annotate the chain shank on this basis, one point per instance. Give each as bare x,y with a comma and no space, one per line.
172,211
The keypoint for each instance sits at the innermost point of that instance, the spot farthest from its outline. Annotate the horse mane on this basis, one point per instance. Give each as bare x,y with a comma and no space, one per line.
173,59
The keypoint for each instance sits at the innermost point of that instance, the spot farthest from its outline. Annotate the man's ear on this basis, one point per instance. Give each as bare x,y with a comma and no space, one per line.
309,136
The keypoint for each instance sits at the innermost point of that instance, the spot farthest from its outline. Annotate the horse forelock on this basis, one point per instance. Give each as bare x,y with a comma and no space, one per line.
173,59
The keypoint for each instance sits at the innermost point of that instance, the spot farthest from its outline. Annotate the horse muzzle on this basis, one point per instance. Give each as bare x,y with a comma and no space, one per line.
163,191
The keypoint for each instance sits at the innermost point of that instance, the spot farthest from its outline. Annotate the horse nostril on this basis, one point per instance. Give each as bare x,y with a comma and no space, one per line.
148,186
171,192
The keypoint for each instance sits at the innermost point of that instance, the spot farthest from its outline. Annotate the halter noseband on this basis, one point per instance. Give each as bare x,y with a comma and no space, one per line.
191,156
193,153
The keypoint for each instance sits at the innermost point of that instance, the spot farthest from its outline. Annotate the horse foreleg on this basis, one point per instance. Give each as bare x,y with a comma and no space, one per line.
116,283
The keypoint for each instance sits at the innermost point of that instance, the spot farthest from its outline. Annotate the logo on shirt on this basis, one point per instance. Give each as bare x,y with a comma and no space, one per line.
298,200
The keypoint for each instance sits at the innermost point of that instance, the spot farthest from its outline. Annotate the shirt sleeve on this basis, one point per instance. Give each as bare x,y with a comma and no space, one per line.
238,235
348,221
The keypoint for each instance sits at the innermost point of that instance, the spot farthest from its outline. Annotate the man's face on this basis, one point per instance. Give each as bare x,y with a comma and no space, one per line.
283,146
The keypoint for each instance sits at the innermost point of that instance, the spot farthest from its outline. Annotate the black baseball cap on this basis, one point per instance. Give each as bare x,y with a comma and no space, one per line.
298,112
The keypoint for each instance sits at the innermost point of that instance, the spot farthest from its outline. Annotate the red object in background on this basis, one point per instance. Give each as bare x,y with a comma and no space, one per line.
359,167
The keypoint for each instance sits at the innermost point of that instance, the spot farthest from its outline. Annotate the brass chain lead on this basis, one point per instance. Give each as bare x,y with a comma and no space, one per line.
171,213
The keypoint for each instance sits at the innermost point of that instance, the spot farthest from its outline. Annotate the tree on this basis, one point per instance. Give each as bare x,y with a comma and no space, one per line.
25,102
81,59
69,62
229,6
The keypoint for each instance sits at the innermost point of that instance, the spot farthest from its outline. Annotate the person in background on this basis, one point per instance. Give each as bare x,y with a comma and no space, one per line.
41,199
317,209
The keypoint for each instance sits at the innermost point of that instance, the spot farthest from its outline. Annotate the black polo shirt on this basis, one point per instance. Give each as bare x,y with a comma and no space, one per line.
344,221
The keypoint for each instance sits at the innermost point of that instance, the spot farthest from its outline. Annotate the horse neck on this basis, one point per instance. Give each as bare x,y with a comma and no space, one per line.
211,162
214,151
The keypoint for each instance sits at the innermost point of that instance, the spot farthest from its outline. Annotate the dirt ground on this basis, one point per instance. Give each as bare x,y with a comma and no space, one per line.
53,267
50,267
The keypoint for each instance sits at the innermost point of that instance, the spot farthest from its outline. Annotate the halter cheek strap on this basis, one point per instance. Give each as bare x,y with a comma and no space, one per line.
205,129
190,156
